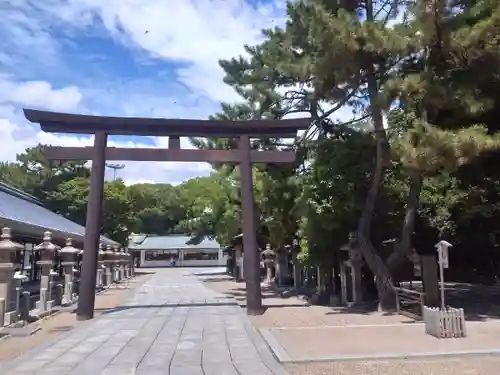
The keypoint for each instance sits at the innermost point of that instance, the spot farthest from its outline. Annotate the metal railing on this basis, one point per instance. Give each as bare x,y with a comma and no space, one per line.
410,303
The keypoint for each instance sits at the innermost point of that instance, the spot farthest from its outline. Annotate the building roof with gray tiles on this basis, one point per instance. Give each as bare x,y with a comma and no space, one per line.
170,242
27,216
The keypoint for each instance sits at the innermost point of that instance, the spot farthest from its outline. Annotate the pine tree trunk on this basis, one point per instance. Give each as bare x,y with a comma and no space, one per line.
383,279
403,250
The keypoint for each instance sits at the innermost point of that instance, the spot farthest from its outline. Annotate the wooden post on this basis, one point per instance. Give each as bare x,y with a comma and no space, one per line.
86,299
174,143
251,260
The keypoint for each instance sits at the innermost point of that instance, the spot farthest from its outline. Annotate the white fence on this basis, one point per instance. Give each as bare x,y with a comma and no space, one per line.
445,323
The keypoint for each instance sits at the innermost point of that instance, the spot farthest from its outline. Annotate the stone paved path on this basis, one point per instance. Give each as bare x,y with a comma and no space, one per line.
173,325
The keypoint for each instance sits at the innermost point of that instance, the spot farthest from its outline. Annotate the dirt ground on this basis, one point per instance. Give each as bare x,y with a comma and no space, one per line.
461,366
403,340
52,326
293,312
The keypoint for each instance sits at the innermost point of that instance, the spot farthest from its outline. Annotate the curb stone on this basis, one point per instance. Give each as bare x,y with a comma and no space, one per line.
265,353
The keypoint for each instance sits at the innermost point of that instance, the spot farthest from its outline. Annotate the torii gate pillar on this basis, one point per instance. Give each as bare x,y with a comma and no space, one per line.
252,263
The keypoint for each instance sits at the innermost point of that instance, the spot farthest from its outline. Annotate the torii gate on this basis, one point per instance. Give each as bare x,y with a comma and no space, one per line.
101,127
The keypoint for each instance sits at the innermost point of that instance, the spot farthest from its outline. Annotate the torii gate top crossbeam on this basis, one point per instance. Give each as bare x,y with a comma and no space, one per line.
54,122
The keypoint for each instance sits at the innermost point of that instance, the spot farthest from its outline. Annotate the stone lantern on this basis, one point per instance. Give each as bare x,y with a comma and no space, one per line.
68,253
69,259
123,255
79,263
47,252
355,262
415,259
108,263
8,265
126,263
268,255
119,257
355,256
269,258
101,255
116,263
131,264
100,277
297,271
120,262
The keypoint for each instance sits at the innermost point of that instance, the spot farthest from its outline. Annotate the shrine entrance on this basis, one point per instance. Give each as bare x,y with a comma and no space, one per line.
101,127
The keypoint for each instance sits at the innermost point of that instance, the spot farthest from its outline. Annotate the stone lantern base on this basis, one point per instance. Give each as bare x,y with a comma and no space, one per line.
8,315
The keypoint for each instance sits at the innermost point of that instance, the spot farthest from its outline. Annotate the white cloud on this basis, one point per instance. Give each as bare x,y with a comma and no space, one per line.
39,94
192,34
196,34
17,134
23,38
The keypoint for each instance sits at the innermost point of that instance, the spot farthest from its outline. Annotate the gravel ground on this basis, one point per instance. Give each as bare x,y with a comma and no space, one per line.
294,312
51,327
402,340
287,313
463,366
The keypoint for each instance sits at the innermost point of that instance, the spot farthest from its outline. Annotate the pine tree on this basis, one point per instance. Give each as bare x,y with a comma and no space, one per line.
348,51
427,87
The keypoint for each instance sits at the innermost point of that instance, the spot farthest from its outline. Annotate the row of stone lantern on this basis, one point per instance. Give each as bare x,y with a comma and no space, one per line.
116,263
279,261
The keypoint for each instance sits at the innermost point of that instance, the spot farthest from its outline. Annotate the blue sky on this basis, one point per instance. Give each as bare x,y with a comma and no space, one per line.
123,58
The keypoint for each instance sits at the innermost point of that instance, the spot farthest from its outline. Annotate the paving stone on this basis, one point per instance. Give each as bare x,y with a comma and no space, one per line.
138,346
52,371
152,370
30,366
49,355
224,368
69,359
89,367
99,359
186,370
184,358
156,360
244,354
252,368
55,369
162,350
172,325
211,356
119,370
86,347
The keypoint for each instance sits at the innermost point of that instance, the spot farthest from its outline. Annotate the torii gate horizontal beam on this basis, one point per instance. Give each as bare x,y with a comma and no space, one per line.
158,154
54,122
